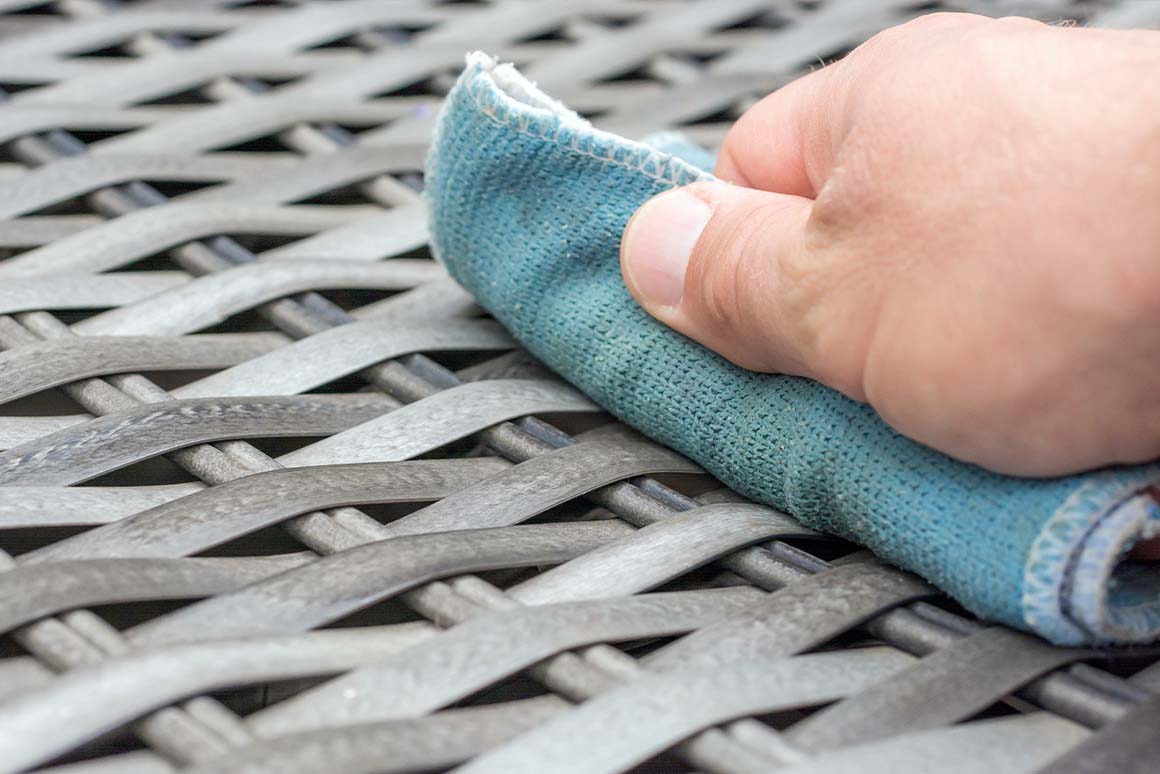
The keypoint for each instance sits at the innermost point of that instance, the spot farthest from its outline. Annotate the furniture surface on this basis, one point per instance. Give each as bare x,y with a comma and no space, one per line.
276,496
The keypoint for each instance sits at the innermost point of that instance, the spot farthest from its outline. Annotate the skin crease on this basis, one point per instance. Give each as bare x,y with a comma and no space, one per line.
958,223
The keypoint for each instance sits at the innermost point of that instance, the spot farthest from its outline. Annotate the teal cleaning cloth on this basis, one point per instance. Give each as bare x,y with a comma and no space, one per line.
528,203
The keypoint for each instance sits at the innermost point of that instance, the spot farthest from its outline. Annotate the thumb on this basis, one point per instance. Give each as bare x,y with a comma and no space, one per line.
732,268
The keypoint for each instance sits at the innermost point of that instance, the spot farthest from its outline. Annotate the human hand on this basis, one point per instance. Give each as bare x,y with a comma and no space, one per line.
958,223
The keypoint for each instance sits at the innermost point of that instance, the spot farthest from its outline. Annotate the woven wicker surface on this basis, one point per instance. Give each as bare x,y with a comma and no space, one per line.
274,496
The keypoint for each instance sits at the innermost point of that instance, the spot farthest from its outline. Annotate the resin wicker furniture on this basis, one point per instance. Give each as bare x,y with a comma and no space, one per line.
275,496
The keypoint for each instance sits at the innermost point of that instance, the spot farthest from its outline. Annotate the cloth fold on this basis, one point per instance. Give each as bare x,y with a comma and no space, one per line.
528,203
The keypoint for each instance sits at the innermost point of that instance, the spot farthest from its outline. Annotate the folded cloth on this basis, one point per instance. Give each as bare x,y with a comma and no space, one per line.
528,203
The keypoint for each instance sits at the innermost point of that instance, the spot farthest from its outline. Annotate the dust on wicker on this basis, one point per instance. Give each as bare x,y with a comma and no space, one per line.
312,497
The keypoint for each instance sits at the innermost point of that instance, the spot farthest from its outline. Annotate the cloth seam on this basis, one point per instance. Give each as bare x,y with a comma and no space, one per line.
1067,585
511,119
1056,554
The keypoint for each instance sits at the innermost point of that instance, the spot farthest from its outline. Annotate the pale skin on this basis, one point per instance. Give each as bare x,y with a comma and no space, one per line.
958,223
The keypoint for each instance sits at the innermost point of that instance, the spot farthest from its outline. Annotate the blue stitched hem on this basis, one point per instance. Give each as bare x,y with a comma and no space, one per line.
508,98
676,144
1078,585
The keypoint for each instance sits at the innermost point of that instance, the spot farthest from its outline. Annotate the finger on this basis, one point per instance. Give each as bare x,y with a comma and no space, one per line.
731,268
784,143
788,141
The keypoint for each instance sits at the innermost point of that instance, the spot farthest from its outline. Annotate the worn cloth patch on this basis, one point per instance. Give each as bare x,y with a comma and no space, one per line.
528,203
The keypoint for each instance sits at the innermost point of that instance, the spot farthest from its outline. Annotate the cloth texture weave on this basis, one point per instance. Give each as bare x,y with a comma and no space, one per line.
528,203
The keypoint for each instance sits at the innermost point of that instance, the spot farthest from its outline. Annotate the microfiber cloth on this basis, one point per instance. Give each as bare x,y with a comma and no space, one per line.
528,204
